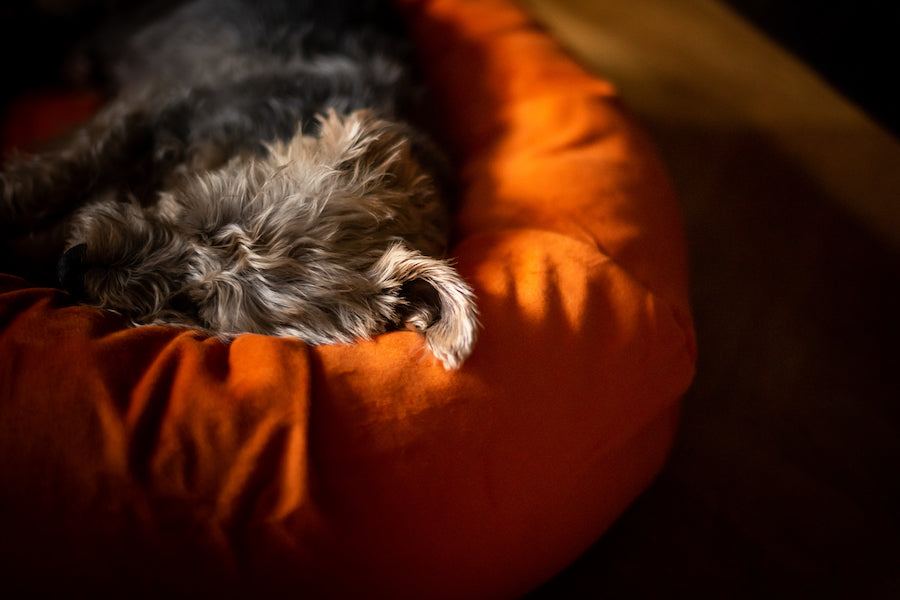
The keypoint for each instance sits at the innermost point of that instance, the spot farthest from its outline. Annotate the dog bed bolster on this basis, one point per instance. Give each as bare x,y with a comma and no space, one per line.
158,461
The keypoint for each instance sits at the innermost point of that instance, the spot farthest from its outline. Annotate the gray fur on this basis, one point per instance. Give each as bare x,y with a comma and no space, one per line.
252,180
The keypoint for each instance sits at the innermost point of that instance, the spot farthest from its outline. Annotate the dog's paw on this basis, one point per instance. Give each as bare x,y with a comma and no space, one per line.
22,206
7,205
443,310
435,302
452,337
12,205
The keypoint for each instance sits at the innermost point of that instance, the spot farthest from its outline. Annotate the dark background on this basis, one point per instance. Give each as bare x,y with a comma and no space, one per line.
34,39
854,44
784,480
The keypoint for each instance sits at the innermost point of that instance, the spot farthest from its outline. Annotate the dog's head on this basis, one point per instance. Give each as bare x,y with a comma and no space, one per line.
329,238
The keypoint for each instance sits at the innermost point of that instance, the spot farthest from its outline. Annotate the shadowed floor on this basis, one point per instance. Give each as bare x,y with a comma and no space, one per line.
784,476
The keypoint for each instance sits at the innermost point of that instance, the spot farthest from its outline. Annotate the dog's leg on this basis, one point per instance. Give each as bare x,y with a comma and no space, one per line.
39,189
38,192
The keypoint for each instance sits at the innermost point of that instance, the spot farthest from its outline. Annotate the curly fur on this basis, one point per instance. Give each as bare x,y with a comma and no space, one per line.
257,171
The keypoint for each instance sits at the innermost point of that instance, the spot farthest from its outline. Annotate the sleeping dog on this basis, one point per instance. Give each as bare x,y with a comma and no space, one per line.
259,168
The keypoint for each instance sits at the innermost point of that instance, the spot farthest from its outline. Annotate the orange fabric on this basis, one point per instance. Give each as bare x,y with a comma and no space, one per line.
40,116
156,457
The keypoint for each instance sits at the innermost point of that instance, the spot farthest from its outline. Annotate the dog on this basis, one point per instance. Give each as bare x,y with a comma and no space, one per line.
261,167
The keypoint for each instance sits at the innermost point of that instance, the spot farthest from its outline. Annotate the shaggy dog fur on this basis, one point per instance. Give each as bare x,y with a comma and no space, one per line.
257,170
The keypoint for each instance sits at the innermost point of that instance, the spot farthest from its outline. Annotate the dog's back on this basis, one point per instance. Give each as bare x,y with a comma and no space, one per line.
258,67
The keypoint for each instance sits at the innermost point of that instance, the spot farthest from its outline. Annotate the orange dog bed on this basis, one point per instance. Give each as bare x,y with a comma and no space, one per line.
157,460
